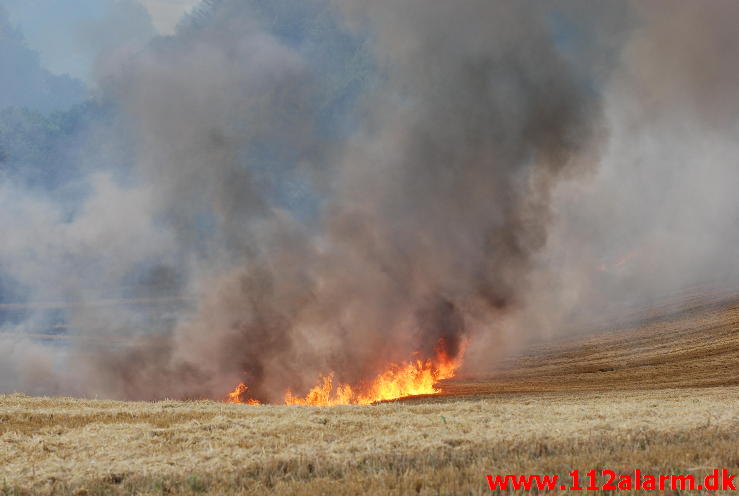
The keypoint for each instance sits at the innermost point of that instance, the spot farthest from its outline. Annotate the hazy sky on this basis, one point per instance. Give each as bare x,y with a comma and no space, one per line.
70,34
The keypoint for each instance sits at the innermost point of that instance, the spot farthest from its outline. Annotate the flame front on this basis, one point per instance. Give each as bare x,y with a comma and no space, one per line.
412,378
398,381
241,395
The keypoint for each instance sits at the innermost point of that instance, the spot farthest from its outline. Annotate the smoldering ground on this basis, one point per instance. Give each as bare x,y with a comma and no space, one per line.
338,185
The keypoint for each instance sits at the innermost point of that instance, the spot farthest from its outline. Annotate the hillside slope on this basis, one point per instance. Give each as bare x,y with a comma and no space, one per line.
697,347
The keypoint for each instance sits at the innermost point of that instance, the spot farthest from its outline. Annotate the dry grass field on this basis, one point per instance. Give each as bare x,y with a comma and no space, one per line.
662,396
694,347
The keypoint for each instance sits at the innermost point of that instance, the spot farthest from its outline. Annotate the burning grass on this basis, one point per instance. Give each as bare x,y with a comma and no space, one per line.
65,446
412,378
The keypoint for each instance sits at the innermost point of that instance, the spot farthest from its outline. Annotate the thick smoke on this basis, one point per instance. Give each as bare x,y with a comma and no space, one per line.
343,191
432,209
658,224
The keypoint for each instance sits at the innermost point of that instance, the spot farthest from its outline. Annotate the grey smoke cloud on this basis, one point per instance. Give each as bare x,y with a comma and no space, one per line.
499,162
658,220
166,14
674,122
433,210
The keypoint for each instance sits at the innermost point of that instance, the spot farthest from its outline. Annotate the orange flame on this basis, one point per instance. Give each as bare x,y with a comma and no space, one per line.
240,395
411,378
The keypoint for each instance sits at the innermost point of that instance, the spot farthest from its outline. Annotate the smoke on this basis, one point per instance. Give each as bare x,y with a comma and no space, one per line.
167,13
658,222
432,209
339,185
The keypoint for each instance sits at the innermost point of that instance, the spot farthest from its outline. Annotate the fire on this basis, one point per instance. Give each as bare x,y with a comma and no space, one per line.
240,395
411,378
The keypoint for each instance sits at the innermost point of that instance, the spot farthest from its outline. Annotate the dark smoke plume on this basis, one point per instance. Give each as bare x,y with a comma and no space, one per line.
430,212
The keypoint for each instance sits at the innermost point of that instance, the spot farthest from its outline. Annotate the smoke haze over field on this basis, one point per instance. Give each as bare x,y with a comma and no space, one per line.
336,185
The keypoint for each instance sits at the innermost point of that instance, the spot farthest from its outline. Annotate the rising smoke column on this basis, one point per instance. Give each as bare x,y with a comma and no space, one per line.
428,213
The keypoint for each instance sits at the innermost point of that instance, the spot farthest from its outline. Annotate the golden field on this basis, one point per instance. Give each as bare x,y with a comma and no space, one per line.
662,396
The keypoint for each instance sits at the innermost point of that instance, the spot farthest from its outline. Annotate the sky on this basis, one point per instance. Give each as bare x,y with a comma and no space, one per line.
69,35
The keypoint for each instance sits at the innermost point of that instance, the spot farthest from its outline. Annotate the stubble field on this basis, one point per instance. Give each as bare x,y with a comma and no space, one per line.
662,396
